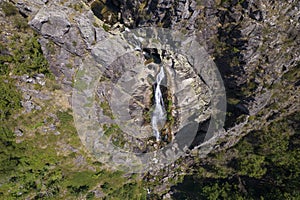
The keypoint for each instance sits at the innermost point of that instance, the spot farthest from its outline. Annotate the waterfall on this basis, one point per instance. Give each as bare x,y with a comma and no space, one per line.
158,115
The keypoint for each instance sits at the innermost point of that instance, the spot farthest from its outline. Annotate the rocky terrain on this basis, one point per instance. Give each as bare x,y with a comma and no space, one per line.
253,44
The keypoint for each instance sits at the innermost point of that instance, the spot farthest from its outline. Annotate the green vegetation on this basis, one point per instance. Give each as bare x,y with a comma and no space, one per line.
8,8
233,101
41,164
106,11
29,171
78,6
96,24
64,116
69,65
20,23
263,165
170,117
106,27
116,134
106,109
80,182
113,128
293,74
9,98
25,56
21,52
147,113
74,43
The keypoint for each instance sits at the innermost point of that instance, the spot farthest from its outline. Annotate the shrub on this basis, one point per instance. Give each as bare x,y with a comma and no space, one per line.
20,22
8,8
9,99
64,117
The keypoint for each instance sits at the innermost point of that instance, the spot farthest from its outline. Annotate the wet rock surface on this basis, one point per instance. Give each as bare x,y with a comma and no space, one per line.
129,82
254,44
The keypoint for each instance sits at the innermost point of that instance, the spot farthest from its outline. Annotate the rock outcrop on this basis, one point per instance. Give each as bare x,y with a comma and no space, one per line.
255,45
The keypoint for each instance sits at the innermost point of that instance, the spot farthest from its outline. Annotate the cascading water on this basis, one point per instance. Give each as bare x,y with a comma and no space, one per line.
159,113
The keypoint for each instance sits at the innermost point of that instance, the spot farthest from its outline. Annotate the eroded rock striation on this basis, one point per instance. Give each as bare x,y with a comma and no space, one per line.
255,45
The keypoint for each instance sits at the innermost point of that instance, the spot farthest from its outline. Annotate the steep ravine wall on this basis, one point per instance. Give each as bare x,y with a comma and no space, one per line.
255,45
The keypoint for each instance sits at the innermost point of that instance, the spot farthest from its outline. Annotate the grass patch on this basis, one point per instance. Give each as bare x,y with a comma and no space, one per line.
106,27
8,8
116,134
10,99
112,129
106,109
80,182
64,116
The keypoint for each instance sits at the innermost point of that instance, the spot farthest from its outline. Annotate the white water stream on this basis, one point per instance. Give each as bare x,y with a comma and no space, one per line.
159,114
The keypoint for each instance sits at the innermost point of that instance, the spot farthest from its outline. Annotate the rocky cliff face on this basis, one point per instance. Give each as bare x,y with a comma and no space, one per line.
255,45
